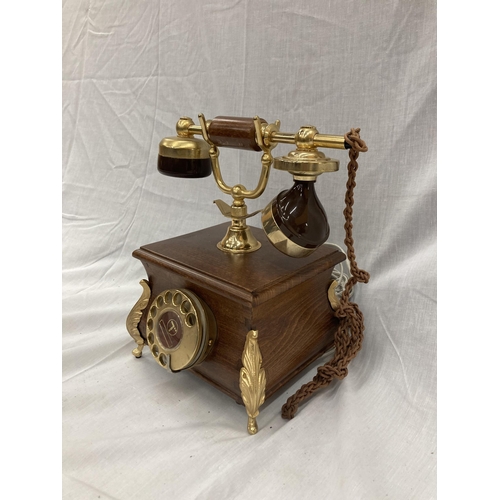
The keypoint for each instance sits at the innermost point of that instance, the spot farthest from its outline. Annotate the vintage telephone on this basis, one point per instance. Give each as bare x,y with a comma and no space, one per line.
233,309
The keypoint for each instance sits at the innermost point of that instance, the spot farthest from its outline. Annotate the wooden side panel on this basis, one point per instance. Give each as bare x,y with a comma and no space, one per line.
295,328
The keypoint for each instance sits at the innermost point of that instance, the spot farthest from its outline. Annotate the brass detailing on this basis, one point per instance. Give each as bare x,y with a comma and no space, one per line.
184,146
306,162
305,137
239,238
319,140
309,162
187,148
330,141
134,317
278,239
332,296
181,329
252,380
182,126
226,211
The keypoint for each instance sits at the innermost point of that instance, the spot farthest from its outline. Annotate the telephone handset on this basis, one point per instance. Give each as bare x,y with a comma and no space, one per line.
235,316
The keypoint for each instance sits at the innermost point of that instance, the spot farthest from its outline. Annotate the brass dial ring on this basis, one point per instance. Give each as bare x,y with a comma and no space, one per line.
181,329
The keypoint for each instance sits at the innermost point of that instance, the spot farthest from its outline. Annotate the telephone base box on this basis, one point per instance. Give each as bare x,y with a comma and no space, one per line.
284,298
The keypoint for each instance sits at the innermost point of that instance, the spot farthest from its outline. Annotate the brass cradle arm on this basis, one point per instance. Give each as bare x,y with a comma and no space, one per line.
239,192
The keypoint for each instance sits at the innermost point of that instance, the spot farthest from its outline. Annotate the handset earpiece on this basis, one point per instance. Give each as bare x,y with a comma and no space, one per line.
184,155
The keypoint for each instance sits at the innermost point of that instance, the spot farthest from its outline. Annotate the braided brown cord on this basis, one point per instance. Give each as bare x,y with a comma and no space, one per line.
349,336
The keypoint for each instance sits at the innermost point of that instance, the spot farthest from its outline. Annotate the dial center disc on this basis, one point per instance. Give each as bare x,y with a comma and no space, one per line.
169,330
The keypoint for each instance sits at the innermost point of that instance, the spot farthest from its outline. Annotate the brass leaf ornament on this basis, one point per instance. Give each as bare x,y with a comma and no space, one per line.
252,380
135,315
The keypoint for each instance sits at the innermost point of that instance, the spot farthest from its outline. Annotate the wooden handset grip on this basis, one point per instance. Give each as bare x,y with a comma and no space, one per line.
234,132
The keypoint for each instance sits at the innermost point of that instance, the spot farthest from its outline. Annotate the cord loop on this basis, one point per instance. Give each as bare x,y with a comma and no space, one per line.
352,138
349,335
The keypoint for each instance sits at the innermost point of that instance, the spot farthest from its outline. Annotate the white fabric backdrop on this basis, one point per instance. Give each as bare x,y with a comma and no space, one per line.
130,70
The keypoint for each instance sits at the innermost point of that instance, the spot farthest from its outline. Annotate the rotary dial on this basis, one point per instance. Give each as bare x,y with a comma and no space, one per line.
181,329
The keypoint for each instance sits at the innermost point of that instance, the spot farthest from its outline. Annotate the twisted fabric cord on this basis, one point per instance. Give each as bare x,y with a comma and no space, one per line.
349,336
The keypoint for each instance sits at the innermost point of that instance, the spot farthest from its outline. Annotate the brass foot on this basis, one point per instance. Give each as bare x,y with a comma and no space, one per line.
134,317
252,426
137,352
252,380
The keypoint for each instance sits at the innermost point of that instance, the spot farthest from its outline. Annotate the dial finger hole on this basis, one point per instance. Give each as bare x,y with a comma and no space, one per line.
162,359
151,338
190,319
185,307
150,323
177,299
159,301
155,350
153,311
168,298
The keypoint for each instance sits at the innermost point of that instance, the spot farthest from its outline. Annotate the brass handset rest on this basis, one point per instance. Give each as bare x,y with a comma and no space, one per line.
187,156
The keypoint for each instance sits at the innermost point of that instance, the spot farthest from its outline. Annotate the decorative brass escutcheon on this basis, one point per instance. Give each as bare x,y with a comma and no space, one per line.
252,380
